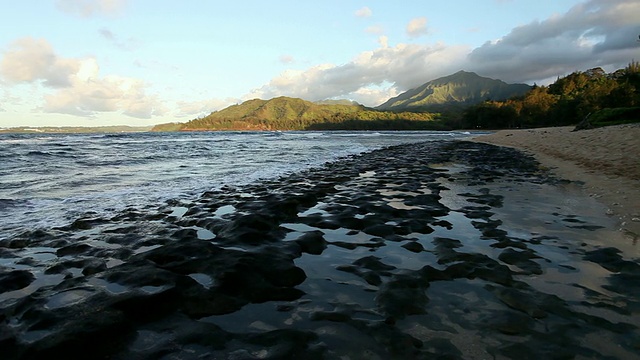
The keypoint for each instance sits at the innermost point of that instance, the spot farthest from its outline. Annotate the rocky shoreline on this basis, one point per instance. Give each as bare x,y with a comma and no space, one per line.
440,249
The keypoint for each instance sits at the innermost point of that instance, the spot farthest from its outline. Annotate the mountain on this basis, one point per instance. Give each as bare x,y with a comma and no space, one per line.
274,114
460,89
285,113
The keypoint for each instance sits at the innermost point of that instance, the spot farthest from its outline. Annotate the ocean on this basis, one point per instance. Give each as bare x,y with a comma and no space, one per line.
49,180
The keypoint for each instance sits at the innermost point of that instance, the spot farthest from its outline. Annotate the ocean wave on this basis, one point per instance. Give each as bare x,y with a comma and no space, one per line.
6,204
67,175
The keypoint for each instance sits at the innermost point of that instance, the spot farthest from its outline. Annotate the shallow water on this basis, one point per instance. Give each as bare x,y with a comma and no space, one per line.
49,180
435,249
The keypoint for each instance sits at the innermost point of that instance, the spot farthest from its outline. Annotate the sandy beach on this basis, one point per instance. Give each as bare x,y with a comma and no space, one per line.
605,160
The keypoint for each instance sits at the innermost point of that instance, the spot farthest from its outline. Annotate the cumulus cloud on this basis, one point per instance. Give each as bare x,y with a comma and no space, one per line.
78,88
417,27
91,94
89,8
364,12
403,66
593,33
28,60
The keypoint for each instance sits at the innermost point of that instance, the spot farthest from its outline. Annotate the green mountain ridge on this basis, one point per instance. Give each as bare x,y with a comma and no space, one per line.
460,89
285,113
414,109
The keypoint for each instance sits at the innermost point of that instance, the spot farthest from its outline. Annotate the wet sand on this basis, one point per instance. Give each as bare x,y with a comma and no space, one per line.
435,250
605,160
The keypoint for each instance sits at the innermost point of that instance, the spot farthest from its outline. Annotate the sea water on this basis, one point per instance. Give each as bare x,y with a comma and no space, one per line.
49,180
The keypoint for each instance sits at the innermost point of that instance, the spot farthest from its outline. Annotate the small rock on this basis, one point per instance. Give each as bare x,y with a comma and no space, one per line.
15,280
413,246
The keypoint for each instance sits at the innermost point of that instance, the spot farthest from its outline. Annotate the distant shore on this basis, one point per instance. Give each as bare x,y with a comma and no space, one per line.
605,160
74,129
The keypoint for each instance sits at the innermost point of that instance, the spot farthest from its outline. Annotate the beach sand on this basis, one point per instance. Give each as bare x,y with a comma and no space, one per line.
606,160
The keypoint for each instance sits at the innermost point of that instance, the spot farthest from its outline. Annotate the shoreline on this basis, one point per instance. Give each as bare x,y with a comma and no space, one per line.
603,161
444,248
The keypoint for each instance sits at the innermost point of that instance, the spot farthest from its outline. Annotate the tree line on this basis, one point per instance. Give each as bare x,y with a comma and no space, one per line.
352,120
567,101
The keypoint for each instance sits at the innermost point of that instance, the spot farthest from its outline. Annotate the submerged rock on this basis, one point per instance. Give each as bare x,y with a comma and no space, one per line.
359,258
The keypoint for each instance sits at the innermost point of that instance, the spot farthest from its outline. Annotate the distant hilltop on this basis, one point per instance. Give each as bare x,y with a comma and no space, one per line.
463,100
460,89
417,109
286,113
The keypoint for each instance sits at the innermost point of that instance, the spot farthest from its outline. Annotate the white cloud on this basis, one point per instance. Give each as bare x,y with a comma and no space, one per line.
78,88
28,60
89,8
91,94
417,27
373,96
364,12
383,41
404,66
594,33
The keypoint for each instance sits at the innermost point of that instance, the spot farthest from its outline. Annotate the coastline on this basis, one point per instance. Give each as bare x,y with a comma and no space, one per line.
603,161
445,248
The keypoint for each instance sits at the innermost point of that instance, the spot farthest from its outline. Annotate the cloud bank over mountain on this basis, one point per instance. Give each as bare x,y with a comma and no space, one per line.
162,69
594,33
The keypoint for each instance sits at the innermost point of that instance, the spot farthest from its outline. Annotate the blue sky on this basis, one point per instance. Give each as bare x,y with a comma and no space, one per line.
143,62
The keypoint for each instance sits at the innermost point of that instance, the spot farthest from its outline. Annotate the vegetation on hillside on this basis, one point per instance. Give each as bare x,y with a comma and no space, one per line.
453,92
601,98
284,113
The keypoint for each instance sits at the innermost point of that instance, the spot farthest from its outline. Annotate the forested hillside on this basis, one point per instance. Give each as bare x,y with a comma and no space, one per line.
284,113
453,92
603,98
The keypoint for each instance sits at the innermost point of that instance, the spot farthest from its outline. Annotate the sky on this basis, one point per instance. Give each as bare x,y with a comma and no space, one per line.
144,62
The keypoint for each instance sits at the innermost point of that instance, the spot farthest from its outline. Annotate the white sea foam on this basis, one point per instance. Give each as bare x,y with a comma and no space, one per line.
102,174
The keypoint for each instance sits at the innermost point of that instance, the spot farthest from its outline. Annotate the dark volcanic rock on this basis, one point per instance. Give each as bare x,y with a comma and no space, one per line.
403,295
312,242
522,259
413,246
15,280
250,272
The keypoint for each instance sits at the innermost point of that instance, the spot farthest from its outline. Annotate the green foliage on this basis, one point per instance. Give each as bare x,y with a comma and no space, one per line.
617,116
284,113
565,102
167,127
462,88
